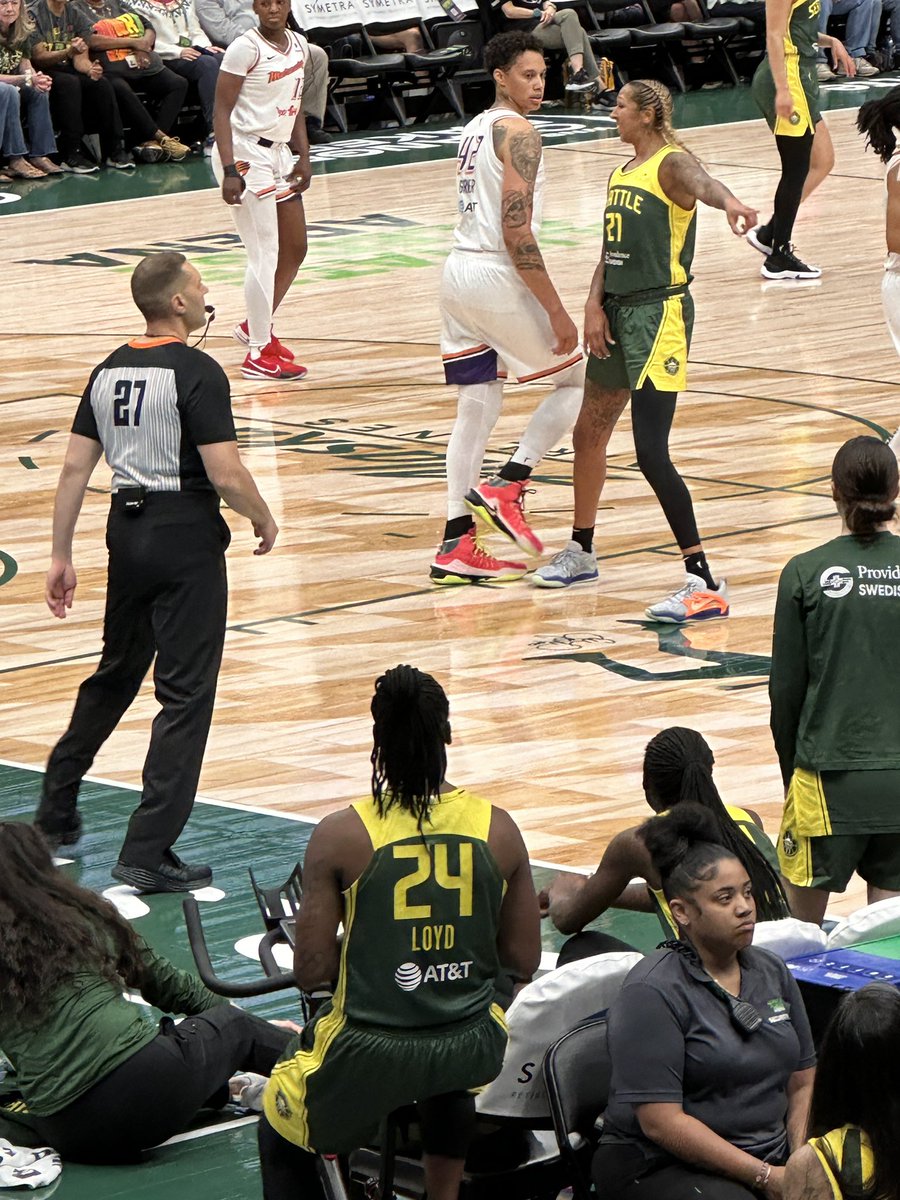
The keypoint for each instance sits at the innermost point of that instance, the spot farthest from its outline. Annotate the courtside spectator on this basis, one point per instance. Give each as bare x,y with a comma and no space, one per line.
712,1055
185,49
23,96
124,45
81,97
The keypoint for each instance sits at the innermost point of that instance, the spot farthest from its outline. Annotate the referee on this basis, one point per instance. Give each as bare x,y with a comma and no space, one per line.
160,411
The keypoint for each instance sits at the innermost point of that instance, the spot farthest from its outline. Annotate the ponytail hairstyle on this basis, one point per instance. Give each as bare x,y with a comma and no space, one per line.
684,849
650,94
864,481
879,120
411,733
678,767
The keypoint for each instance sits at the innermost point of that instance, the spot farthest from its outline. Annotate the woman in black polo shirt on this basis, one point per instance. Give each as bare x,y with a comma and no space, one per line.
712,1056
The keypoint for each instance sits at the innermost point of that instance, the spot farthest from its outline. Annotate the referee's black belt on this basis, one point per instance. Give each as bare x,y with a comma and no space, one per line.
133,499
267,142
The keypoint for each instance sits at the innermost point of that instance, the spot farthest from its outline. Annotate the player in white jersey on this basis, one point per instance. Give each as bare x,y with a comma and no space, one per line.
259,129
500,312
879,120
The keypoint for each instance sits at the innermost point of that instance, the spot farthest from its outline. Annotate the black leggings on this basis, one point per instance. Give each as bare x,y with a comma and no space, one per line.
156,1092
795,153
290,1173
621,1172
652,412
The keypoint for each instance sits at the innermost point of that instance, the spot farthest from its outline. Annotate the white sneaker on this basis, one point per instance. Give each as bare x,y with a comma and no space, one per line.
695,601
571,565
760,238
824,72
865,69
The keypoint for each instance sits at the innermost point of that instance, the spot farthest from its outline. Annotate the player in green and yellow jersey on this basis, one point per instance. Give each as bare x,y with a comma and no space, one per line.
637,327
678,767
434,890
786,88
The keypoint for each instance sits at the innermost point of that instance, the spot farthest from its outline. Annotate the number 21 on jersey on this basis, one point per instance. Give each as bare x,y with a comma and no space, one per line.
613,227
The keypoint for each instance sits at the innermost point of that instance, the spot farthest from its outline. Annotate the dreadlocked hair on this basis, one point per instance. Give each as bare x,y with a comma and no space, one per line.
678,767
411,732
52,929
878,119
655,96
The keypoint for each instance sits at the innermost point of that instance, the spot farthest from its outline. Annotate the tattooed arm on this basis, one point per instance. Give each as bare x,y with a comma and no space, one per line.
805,1178
685,182
518,146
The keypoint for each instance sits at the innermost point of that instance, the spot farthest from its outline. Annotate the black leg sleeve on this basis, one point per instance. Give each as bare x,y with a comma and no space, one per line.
795,154
652,412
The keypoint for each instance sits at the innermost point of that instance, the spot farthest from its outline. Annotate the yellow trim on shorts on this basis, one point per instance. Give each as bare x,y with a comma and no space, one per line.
805,817
783,127
670,342
291,1077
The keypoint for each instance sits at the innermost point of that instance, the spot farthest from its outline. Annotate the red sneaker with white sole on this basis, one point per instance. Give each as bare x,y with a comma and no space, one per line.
270,366
241,333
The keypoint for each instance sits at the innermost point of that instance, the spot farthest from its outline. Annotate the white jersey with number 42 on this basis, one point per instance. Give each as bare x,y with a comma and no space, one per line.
269,99
479,180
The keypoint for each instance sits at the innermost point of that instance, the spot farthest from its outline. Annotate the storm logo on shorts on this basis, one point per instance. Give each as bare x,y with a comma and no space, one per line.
671,365
836,581
789,844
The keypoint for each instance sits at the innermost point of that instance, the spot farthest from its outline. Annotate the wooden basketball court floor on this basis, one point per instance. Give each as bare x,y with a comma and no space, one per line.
553,694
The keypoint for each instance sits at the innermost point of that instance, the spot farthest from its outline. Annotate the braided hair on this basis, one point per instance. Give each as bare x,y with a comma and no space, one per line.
655,96
864,478
879,120
410,733
678,767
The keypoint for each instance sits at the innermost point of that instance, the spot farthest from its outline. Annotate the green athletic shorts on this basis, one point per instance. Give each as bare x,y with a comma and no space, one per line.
339,1080
804,86
651,341
829,860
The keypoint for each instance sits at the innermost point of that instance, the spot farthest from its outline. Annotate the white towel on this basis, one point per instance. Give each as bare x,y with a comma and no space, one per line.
20,1167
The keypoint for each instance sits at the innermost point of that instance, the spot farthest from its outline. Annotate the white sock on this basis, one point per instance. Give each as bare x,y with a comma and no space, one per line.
476,415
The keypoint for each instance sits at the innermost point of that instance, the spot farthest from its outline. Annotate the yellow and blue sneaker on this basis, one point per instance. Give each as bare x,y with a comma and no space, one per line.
695,601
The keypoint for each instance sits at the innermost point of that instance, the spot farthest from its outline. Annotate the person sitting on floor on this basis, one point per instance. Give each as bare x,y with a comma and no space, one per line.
23,94
853,1152
678,767
99,1080
124,45
711,1050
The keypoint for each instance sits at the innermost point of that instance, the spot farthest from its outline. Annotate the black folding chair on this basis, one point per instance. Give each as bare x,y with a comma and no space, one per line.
577,1072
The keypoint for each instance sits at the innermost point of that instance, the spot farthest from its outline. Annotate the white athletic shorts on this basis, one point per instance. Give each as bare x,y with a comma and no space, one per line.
890,297
491,324
264,169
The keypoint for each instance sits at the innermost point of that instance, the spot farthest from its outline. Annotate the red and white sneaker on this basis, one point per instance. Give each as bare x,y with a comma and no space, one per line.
464,560
500,503
241,333
269,366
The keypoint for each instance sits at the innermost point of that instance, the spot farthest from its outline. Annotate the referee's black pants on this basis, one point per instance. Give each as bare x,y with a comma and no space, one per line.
166,596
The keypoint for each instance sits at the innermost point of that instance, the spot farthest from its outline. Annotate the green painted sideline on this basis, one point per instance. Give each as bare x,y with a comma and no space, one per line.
221,1165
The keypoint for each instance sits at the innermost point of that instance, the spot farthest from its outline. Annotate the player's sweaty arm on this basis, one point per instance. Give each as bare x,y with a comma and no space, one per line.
518,146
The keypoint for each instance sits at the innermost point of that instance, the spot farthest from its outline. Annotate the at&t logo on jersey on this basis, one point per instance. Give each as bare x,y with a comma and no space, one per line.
409,975
836,581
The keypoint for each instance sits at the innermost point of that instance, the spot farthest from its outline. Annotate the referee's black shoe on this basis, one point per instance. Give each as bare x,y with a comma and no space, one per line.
60,835
172,875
